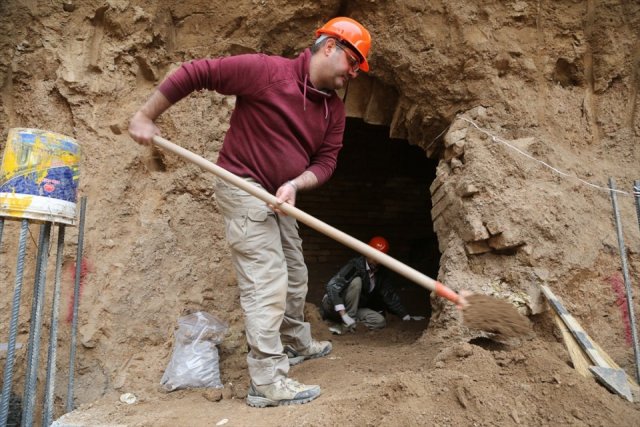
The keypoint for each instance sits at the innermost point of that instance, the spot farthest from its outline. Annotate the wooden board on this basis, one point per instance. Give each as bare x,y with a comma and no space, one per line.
579,358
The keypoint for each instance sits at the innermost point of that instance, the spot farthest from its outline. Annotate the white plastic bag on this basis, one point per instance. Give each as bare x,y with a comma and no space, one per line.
194,362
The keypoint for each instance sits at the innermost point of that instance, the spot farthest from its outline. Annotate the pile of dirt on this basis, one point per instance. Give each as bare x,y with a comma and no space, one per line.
398,376
496,92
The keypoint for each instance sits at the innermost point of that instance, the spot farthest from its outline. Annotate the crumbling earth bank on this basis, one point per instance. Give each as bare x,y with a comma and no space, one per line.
557,80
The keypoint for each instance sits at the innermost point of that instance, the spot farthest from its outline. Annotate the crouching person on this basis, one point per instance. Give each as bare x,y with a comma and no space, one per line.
362,292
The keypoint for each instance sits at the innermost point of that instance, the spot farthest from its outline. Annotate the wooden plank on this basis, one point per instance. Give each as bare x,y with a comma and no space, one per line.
579,358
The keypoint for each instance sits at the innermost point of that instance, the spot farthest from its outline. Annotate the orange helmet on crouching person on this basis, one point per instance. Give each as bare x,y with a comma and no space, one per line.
379,243
350,33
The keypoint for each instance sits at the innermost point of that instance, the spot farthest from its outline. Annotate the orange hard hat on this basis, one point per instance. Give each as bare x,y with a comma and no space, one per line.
380,243
350,33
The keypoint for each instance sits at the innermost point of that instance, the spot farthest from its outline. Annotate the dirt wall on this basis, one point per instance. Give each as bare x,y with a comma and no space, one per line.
557,80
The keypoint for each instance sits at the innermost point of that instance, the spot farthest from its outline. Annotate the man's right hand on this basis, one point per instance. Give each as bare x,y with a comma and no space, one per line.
142,129
347,320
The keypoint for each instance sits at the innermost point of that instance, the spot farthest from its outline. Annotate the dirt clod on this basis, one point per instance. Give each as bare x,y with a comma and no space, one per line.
493,315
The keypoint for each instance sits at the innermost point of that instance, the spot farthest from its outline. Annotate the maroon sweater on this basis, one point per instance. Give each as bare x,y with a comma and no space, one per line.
281,126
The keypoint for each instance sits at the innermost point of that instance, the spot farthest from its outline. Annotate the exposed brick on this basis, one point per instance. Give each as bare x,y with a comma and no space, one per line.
442,205
473,230
467,190
504,241
437,182
493,227
476,248
439,194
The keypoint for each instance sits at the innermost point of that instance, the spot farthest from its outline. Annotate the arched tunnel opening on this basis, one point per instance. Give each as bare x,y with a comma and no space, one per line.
380,188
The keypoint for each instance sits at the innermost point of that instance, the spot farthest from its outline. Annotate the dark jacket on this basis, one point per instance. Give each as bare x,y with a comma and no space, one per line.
382,298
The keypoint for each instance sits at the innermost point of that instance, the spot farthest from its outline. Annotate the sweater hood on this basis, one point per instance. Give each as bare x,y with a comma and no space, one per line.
309,92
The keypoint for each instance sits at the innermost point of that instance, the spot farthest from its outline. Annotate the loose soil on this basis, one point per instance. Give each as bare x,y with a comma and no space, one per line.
492,315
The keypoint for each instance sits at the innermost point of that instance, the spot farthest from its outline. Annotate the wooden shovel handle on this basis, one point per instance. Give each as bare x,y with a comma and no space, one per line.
353,243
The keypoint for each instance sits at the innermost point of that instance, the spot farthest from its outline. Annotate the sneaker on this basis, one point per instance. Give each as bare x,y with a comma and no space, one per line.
335,329
283,392
315,350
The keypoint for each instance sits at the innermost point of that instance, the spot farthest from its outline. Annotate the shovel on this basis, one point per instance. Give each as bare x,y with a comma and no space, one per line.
505,318
609,374
324,228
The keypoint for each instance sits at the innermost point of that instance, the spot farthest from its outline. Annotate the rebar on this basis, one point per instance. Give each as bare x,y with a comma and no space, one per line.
13,327
39,246
76,298
636,192
625,275
47,413
29,397
1,228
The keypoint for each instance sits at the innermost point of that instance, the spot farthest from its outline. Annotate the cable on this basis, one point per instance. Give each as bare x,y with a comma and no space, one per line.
559,172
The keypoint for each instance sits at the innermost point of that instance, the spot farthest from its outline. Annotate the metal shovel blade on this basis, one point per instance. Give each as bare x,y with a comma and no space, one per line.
613,379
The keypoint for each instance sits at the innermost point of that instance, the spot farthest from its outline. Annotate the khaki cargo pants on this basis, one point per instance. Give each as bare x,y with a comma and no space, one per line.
266,251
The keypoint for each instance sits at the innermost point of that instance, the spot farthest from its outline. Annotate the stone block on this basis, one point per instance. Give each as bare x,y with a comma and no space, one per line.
536,299
456,164
381,105
439,194
360,91
437,182
473,230
467,190
493,227
476,248
454,150
454,136
478,113
442,205
505,241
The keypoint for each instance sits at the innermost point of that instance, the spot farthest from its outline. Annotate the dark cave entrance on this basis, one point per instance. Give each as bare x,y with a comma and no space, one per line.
380,187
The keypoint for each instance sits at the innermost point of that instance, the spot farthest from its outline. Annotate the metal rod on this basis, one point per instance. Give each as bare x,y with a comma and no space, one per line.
35,293
34,307
636,192
13,327
1,230
625,275
76,298
29,398
47,413
1,227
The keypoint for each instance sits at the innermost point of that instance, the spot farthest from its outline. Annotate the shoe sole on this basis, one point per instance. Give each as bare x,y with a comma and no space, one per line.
263,402
296,360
